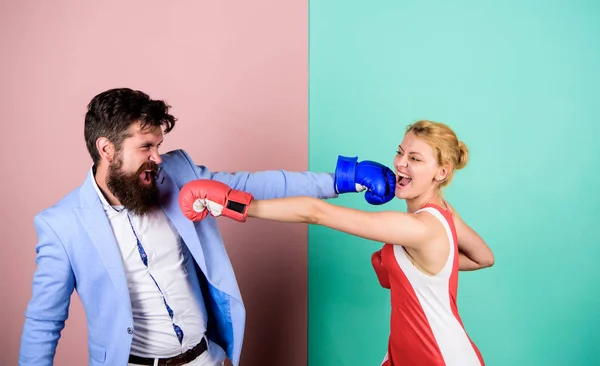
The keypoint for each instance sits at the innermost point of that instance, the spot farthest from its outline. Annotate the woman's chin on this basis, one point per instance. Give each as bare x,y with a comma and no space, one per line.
406,192
402,193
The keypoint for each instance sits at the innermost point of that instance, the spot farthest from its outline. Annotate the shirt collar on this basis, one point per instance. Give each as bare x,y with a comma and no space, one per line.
107,206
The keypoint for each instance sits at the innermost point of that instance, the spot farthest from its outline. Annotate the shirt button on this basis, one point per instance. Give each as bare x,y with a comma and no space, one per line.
129,330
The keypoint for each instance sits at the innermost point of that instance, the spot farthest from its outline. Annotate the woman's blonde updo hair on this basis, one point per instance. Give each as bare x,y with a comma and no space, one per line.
445,144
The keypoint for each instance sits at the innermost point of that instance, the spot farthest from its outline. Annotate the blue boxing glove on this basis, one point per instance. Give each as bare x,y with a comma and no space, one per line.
377,179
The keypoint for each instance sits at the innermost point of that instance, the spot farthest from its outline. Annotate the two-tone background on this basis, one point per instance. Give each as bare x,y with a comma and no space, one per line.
290,84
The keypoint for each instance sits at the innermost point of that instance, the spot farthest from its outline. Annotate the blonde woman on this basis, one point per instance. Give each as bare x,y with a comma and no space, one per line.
424,248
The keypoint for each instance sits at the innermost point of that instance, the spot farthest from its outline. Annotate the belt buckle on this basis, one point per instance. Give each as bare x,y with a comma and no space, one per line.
177,360
173,360
181,359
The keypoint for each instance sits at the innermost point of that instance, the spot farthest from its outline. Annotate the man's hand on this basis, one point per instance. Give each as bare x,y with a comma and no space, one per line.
377,179
199,197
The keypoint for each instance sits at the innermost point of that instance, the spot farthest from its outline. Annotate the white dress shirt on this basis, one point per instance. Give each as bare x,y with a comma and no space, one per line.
172,267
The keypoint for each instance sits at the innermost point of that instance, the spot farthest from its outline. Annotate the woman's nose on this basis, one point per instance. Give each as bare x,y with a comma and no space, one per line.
402,162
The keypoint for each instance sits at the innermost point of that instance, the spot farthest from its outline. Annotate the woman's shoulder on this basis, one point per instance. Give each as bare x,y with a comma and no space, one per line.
438,218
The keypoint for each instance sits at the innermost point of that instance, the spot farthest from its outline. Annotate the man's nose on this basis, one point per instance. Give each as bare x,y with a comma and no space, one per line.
155,157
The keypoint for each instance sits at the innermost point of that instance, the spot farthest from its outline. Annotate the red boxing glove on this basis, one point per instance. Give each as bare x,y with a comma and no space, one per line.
380,271
199,197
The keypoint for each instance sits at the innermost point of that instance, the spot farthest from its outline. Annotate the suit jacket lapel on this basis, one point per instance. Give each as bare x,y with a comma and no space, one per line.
93,218
169,199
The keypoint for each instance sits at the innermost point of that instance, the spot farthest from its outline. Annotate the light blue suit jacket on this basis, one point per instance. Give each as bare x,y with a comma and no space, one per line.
77,250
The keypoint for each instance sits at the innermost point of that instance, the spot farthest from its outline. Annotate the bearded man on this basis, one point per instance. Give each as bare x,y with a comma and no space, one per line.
157,288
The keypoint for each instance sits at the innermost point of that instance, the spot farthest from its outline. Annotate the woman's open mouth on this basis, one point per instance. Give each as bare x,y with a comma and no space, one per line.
403,180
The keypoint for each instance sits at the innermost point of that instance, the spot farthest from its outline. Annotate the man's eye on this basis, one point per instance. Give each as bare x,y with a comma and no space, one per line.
399,152
415,159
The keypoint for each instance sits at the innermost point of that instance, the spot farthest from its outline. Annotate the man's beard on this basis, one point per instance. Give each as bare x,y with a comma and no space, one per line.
134,195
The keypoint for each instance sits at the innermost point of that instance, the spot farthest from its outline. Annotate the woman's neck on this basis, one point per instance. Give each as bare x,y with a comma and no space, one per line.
433,197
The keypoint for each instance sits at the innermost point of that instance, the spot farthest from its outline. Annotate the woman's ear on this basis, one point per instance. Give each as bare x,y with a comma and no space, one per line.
442,173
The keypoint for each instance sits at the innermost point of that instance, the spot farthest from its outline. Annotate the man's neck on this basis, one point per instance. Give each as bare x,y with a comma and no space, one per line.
100,175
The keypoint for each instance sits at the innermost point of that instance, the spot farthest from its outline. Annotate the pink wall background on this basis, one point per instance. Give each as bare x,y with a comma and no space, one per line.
235,73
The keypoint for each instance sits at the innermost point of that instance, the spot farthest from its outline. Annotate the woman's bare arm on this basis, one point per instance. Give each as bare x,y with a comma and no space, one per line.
391,227
474,253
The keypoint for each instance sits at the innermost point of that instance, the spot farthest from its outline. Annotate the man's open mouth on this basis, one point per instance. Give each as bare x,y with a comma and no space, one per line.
147,176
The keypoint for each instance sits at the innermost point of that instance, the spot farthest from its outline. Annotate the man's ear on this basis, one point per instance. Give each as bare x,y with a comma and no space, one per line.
106,149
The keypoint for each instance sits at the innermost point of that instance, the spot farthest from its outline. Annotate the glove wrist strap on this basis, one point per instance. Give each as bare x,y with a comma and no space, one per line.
237,204
345,174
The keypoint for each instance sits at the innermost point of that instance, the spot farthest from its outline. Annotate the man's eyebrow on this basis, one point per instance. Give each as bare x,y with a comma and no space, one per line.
148,142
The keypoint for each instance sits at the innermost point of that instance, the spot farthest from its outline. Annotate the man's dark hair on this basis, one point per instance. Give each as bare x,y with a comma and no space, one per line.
110,114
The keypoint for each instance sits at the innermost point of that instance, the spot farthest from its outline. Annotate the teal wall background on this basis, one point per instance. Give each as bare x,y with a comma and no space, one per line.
519,83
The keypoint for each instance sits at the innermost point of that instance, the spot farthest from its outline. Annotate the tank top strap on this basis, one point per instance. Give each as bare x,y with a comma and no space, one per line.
445,213
445,218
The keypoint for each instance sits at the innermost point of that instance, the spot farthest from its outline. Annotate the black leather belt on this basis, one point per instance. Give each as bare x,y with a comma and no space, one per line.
181,359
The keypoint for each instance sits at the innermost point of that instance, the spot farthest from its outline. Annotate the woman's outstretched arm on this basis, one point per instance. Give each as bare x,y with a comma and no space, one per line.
410,230
199,197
